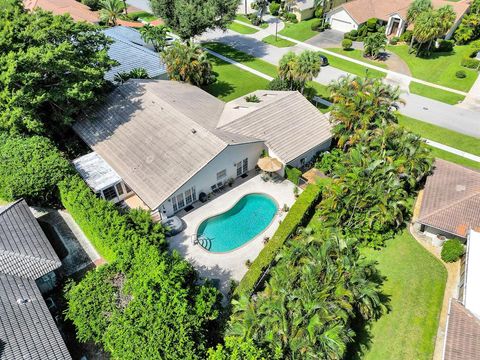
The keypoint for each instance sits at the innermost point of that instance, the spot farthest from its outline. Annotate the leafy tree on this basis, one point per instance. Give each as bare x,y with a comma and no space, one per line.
189,18
297,70
137,73
155,35
374,43
10,5
469,28
30,168
425,29
110,11
188,63
51,67
445,18
416,8
237,349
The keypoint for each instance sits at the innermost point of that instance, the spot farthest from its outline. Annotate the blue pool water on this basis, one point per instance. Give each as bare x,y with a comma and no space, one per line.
230,230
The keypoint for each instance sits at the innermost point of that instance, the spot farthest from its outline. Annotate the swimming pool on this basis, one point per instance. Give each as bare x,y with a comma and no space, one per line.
249,217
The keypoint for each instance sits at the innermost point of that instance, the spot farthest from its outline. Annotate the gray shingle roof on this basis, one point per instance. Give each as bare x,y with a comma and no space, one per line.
24,249
27,329
131,52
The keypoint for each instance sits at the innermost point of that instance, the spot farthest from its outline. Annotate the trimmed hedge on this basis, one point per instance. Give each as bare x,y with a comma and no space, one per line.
299,215
470,63
452,250
293,174
109,231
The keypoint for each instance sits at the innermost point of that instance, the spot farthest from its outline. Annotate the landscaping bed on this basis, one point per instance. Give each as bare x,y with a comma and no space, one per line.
439,68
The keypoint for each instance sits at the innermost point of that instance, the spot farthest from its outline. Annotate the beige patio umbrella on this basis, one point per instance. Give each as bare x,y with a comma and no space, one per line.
269,164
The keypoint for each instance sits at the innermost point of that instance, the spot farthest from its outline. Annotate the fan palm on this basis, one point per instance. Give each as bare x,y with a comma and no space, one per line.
110,11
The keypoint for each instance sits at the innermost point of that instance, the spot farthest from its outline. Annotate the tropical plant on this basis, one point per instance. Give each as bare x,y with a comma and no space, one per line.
346,44
52,67
30,168
155,35
374,43
110,11
469,28
188,63
297,70
137,73
274,8
452,250
190,18
261,6
445,17
416,8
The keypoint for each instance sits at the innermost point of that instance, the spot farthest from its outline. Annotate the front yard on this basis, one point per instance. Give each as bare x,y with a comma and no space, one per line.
300,31
358,55
439,68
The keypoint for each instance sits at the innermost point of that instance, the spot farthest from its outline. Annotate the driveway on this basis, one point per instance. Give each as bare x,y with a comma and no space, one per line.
328,38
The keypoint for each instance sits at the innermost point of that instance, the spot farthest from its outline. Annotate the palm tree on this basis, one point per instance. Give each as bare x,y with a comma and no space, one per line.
374,44
155,35
110,10
425,29
414,10
445,18
297,70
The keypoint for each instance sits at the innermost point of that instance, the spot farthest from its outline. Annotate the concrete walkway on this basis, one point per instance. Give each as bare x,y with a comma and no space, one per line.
472,100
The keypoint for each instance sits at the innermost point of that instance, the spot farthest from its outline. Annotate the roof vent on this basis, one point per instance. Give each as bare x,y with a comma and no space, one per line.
240,107
194,131
460,188
269,94
23,301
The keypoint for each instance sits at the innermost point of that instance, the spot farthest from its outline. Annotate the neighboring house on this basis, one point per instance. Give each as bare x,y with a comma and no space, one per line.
304,9
131,52
392,13
76,9
27,264
462,337
171,141
450,203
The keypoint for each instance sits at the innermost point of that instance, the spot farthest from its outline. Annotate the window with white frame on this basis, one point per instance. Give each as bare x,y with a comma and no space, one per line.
221,174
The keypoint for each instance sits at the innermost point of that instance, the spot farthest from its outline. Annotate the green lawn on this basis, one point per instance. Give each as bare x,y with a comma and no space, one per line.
146,16
440,68
415,282
233,82
243,58
278,42
435,94
241,29
358,55
444,136
460,160
300,31
353,68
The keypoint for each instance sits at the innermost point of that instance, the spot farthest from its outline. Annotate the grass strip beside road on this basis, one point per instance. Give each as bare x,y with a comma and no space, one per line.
358,55
353,68
446,97
278,42
241,29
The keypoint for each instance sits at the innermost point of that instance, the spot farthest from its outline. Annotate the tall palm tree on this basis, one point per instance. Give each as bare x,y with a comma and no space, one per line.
155,35
110,11
425,29
414,10
445,18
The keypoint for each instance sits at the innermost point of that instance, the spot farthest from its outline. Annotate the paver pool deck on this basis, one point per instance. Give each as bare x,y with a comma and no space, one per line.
230,265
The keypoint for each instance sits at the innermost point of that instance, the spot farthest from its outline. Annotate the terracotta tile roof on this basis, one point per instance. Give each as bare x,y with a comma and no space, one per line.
77,10
362,10
451,199
462,339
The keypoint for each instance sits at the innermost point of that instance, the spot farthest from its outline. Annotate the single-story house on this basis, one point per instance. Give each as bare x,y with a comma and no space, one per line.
304,9
169,142
27,265
392,13
77,10
450,203
462,337
130,52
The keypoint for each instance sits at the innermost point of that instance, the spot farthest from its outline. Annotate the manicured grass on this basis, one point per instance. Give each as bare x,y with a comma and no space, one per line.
444,136
460,160
440,68
435,94
146,16
279,42
233,82
241,29
243,58
300,31
415,282
358,55
353,68
246,20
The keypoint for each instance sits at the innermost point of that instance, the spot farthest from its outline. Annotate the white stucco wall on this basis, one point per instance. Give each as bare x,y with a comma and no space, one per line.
207,176
340,20
309,155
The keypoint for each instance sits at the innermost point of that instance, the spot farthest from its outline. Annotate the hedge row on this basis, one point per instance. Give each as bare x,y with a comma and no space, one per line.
110,231
299,215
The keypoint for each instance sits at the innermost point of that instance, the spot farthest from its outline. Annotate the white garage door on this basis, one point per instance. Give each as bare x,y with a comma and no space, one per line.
341,21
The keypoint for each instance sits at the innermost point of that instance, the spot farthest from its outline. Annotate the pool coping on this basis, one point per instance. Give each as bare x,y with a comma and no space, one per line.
230,208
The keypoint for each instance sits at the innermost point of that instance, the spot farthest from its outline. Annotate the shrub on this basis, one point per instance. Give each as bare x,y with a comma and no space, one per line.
461,74
30,168
372,25
445,46
452,250
293,174
278,84
470,63
274,8
300,213
316,24
319,12
394,40
347,44
291,17
110,232
352,35
92,4
406,36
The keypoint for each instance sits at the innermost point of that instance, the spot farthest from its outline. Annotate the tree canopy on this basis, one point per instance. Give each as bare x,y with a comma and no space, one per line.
296,70
30,168
51,67
189,18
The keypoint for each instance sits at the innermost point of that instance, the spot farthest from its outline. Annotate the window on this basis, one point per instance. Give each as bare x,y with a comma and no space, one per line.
109,193
245,165
221,174
239,168
174,203
188,197
127,189
194,194
119,189
180,201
